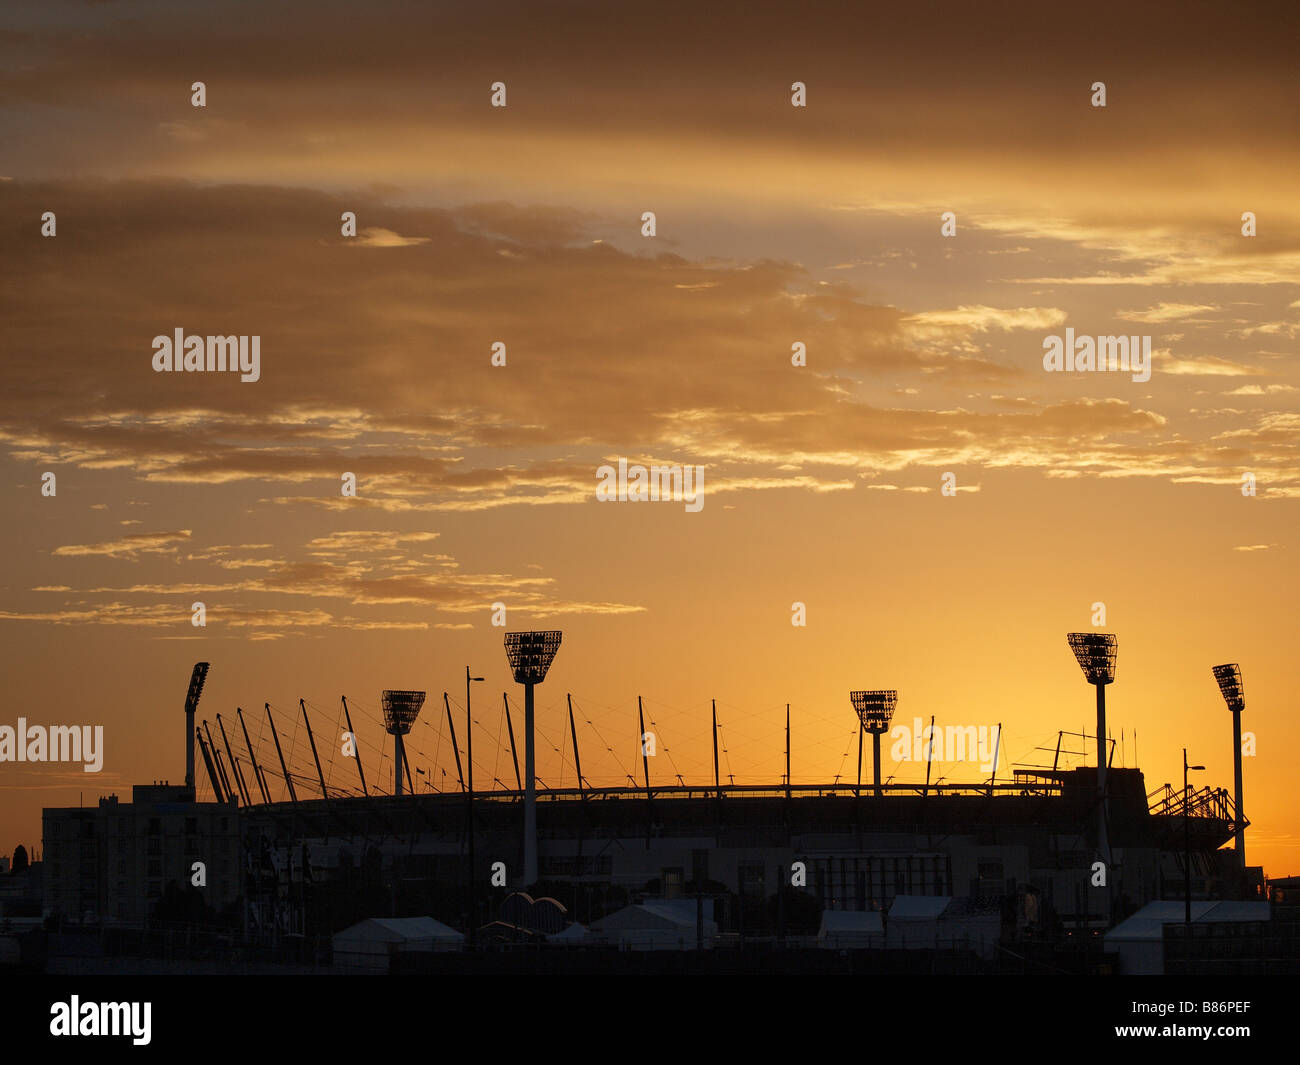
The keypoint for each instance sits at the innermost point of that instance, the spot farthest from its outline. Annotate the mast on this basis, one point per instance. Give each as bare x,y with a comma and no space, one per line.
312,740
221,770
207,761
787,752
293,795
645,759
717,781
355,749
234,765
460,774
257,773
577,761
514,754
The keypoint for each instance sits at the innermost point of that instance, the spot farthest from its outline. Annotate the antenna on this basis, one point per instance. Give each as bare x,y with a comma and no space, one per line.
401,708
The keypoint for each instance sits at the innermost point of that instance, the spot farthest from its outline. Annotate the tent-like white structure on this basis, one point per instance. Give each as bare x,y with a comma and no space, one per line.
657,924
927,922
851,929
369,945
1139,941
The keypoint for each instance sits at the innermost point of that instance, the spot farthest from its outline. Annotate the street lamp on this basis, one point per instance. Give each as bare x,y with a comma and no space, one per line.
530,655
1229,678
1187,853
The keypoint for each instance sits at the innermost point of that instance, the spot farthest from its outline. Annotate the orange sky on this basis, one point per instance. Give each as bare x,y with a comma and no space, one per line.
476,484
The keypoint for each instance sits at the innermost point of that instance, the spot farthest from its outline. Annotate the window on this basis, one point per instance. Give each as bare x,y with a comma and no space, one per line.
700,865
155,826
751,878
121,867
155,867
52,829
672,883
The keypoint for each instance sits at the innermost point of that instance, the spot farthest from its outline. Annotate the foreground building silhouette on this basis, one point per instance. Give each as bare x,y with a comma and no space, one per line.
770,861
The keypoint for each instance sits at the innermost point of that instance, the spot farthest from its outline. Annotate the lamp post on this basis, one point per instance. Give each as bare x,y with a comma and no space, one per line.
1229,678
469,808
1187,853
530,655
875,710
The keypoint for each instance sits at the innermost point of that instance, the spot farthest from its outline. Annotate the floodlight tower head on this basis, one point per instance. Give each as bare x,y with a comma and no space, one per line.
531,654
875,709
197,678
1229,678
400,711
1096,654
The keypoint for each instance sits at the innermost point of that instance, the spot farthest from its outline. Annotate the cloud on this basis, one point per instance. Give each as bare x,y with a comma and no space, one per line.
383,238
1202,366
1261,390
981,319
362,568
389,375
129,546
1167,312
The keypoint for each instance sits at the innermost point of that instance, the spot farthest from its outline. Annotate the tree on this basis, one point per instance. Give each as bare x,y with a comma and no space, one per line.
20,859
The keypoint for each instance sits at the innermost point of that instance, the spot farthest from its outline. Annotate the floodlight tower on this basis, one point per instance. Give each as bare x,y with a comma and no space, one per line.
530,655
875,711
1229,678
1096,654
197,678
400,711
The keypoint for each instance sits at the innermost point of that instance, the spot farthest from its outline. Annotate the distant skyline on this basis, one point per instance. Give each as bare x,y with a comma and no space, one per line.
476,484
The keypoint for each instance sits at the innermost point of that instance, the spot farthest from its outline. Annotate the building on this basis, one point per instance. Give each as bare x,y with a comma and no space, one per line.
111,863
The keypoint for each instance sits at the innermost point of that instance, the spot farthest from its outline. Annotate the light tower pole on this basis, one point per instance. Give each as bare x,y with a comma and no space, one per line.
530,655
1096,654
469,809
875,710
197,678
1229,678
401,708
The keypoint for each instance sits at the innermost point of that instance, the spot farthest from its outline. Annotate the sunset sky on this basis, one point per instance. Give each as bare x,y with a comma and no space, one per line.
775,225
